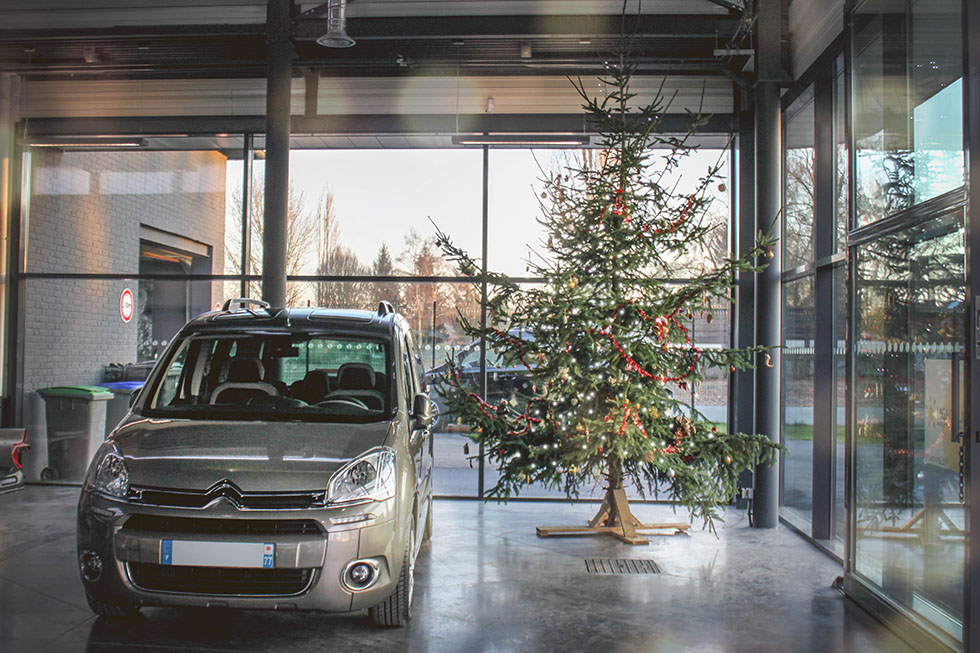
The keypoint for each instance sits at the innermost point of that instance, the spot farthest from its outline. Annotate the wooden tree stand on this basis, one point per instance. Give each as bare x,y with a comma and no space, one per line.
614,518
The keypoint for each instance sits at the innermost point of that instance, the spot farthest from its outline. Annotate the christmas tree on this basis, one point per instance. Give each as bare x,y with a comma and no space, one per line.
605,337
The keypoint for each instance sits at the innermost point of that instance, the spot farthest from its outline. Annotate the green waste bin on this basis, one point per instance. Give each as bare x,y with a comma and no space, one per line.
76,428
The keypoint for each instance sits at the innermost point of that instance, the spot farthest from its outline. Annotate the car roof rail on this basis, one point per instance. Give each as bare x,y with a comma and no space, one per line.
242,302
385,308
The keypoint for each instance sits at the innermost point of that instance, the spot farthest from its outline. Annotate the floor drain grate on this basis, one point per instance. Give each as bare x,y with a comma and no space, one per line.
621,566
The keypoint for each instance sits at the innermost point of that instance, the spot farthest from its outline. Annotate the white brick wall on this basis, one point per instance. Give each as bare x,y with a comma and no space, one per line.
86,209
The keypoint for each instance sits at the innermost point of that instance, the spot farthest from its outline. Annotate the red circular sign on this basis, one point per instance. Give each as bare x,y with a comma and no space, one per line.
126,305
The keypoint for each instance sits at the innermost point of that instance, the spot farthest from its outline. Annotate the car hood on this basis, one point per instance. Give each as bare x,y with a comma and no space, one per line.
255,456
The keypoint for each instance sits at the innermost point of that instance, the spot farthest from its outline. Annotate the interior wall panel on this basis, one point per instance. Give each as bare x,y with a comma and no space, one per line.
143,98
813,25
352,96
539,94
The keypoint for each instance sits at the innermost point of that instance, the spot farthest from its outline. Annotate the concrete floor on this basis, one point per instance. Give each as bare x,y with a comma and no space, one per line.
485,583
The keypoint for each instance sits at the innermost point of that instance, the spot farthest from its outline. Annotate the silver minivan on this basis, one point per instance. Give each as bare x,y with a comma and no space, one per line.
276,458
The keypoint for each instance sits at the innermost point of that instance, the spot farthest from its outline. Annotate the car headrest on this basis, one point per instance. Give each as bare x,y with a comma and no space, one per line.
355,376
245,370
316,383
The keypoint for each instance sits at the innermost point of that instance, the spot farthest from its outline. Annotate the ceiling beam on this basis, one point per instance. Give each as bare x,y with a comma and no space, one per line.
414,28
366,124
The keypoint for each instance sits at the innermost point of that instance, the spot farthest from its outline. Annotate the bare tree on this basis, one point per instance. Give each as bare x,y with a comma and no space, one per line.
340,261
303,229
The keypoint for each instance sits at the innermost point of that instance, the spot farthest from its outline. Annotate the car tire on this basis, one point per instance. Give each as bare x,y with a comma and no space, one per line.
427,533
396,610
116,610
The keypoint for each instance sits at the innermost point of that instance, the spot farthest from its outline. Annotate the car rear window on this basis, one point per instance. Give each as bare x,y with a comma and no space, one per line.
275,376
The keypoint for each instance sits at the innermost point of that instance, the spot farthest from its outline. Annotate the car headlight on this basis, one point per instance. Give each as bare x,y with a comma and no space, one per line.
111,476
368,478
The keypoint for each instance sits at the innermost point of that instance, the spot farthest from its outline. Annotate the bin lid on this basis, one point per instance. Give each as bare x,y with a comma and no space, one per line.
123,386
90,392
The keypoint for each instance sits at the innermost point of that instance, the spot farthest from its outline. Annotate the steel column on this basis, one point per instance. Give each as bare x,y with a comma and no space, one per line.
824,378
483,304
743,381
768,295
246,249
278,85
768,203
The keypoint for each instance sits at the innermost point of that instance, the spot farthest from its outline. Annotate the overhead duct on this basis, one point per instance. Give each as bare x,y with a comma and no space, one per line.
336,34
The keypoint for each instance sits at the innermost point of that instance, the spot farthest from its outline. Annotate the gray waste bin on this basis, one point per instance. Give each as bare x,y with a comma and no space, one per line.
76,428
118,406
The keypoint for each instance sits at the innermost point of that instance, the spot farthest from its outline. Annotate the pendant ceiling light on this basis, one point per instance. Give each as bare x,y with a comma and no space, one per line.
336,34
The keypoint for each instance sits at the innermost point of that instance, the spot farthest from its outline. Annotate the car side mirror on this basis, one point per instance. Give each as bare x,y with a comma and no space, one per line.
422,411
133,397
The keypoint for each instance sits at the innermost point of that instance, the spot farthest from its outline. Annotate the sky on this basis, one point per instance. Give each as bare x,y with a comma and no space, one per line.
380,195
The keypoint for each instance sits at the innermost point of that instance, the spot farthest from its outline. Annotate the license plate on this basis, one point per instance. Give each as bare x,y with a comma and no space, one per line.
182,553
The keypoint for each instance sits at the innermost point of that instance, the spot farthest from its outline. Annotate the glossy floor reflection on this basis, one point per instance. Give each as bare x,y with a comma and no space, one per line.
486,583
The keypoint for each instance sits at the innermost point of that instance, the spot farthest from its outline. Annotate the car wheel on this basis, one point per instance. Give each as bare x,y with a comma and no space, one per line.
396,610
106,609
427,533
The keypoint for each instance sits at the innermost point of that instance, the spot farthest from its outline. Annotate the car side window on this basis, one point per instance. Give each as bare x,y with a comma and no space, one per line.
409,382
415,364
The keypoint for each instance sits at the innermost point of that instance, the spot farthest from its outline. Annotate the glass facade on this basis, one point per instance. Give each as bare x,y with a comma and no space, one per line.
908,527
907,104
799,308
130,244
909,537
799,334
799,162
176,226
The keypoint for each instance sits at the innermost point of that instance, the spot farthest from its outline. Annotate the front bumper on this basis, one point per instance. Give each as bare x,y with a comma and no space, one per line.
314,560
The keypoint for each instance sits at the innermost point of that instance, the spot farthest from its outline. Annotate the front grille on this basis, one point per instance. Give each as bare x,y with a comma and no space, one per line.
220,580
195,525
248,500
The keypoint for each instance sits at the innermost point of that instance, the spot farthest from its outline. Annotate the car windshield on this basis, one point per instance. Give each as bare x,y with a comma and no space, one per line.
275,376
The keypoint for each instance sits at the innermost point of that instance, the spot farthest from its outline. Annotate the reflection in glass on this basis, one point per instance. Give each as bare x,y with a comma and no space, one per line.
839,510
907,104
909,310
800,166
799,333
841,180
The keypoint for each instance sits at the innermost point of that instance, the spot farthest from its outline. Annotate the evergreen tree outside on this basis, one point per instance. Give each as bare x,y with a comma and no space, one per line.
604,337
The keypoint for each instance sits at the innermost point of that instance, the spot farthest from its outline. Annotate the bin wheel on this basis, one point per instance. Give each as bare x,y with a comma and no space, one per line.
118,610
50,474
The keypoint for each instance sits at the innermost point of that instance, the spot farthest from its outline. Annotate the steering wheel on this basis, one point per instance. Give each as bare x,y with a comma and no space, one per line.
346,400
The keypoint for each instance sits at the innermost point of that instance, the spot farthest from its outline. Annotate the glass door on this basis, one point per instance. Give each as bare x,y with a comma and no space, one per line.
908,404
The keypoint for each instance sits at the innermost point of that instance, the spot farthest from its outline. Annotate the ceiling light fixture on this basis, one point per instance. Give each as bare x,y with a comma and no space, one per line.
336,35
89,142
524,140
